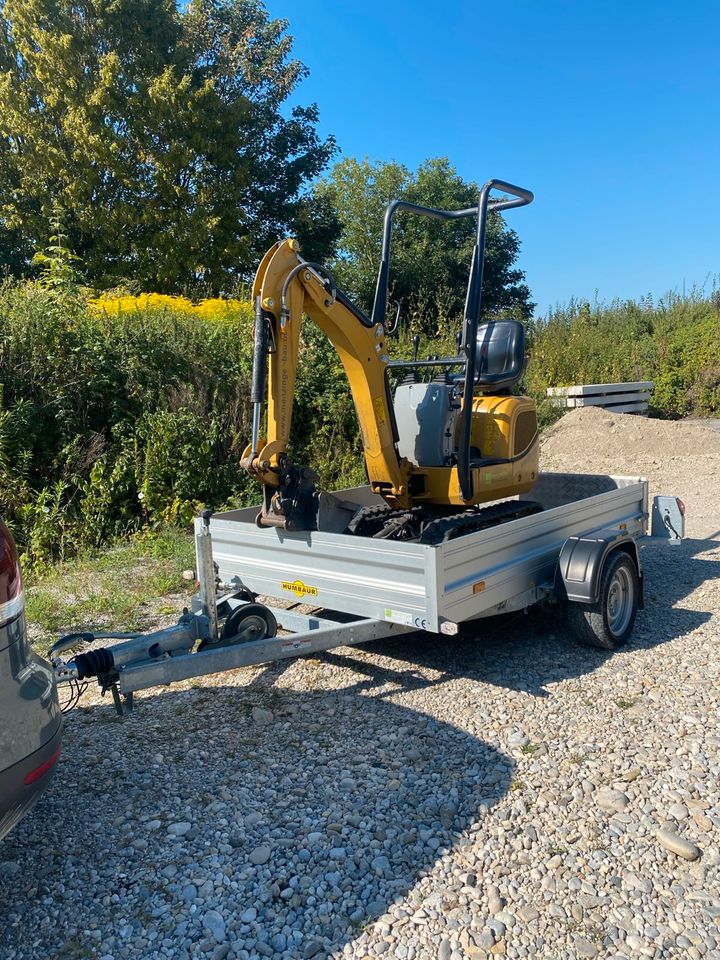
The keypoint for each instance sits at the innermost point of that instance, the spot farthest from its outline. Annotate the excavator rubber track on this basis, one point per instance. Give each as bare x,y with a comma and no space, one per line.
448,528
370,520
375,521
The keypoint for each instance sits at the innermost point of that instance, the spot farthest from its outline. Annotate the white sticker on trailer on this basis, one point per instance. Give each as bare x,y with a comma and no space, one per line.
399,616
295,645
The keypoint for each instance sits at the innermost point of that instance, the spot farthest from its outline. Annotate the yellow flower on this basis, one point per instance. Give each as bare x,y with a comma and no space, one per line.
217,309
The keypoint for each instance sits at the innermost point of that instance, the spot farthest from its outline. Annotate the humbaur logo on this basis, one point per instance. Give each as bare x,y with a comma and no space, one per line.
299,588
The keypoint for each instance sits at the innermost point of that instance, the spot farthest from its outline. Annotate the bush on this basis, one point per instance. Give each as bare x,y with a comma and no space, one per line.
110,420
122,412
125,412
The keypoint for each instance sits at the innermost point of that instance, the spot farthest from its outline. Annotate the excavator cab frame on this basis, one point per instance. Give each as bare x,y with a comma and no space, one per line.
473,301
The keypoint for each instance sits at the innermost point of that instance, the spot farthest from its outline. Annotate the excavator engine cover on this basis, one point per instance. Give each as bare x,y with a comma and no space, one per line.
503,428
425,414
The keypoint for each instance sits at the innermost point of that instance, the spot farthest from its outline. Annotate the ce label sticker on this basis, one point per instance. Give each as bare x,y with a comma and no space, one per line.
420,623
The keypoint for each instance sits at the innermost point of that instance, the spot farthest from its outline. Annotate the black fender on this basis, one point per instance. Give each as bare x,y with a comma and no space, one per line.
582,559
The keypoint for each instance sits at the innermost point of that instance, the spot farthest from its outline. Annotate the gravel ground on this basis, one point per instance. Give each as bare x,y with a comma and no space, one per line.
493,795
712,424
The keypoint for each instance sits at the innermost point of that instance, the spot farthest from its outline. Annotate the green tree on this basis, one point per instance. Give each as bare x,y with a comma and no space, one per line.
430,258
359,191
160,130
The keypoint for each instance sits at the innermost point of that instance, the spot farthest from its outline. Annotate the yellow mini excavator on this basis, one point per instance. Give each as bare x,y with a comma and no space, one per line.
450,437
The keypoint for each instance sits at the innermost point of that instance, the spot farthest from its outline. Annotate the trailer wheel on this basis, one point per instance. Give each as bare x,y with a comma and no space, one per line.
252,621
608,623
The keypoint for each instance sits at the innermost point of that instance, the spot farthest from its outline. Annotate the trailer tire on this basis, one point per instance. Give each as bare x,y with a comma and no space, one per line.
253,621
608,623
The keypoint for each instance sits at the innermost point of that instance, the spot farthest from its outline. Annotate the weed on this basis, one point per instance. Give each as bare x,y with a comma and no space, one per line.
625,704
72,948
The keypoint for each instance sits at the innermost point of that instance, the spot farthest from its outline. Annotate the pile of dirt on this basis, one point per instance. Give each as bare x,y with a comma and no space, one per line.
678,457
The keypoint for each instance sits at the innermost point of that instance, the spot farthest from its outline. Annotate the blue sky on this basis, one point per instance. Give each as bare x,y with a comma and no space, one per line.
608,111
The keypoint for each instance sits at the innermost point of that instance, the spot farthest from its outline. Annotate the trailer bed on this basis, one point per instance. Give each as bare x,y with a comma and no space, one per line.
581,548
422,586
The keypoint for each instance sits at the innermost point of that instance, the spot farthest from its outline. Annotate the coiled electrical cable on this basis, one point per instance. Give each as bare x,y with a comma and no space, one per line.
77,689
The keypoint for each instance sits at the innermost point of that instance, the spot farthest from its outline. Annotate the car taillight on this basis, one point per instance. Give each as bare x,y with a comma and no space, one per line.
11,585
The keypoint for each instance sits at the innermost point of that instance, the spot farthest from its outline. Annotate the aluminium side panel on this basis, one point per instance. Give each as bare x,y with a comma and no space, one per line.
483,571
385,579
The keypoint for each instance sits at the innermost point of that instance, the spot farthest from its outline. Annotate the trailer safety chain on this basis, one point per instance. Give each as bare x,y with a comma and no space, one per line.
668,523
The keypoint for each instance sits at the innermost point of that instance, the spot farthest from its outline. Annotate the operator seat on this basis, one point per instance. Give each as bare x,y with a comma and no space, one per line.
499,355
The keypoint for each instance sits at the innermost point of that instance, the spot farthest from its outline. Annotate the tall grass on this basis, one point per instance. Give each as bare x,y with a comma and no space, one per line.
674,342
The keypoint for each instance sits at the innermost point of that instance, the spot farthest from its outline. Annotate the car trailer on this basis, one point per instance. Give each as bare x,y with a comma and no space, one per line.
581,548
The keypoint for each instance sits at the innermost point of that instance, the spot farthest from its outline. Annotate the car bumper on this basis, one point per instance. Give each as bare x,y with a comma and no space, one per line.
23,783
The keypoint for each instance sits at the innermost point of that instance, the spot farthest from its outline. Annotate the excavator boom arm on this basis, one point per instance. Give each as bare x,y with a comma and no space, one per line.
285,289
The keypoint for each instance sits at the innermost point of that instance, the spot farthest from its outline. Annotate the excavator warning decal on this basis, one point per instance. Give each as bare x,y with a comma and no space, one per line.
299,588
379,405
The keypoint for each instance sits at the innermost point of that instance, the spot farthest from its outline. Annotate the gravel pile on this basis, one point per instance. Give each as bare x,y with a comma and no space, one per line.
503,794
676,456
